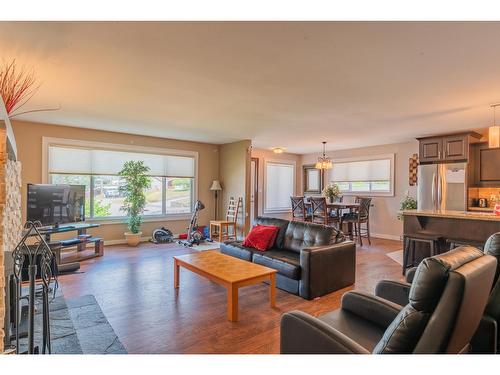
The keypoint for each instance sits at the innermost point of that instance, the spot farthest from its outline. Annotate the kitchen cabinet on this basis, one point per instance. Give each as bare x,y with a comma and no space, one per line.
486,165
430,149
446,148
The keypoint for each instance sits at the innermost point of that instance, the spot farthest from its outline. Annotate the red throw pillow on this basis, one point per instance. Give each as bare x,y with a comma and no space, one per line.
261,237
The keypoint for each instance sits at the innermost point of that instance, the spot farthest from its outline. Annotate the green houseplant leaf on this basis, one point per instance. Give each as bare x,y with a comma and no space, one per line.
135,182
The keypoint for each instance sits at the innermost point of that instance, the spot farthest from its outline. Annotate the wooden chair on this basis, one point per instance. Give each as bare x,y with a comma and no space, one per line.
320,214
361,216
299,211
221,228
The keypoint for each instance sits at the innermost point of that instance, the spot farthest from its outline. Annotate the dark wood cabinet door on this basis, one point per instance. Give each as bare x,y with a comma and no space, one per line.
489,165
455,148
431,149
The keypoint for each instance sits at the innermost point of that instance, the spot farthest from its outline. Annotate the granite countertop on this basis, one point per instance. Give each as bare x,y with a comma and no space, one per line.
468,215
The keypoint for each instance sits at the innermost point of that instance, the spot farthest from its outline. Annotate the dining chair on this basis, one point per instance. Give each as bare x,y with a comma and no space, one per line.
361,216
299,211
221,228
320,214
336,214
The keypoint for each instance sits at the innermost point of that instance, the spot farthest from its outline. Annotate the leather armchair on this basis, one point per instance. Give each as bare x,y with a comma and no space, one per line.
454,284
487,337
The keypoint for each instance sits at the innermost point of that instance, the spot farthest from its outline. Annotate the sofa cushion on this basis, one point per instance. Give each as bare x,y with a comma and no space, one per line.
237,250
300,235
287,263
261,237
281,223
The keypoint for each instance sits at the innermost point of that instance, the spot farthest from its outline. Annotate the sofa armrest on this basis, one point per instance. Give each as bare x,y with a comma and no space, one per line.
325,269
302,333
371,308
485,340
394,291
410,274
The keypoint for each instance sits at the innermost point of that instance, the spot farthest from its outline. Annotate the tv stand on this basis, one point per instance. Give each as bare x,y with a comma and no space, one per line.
79,243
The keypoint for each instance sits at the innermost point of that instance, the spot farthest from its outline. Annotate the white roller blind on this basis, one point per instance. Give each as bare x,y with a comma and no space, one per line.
366,170
110,162
179,166
70,160
279,186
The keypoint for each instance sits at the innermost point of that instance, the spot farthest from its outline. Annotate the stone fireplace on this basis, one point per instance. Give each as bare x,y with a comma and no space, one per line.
10,205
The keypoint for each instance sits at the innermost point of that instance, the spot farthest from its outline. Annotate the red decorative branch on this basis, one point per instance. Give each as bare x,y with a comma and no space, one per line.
17,86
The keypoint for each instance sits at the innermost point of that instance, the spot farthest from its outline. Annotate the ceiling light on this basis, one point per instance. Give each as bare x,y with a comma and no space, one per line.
494,131
278,150
324,162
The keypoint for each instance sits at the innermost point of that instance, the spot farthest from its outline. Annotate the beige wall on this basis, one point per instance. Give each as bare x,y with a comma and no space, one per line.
262,155
29,143
234,170
383,215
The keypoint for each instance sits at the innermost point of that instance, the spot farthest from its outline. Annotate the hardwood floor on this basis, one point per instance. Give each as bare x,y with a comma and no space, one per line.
134,287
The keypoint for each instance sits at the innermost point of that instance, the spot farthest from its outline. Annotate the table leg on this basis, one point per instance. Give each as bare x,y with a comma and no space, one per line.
220,233
350,230
232,303
272,290
81,246
176,274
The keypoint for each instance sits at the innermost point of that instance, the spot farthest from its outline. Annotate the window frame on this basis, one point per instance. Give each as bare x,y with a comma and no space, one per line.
47,142
375,193
291,163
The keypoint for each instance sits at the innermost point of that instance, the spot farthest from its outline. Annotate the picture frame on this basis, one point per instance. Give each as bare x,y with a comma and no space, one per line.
312,180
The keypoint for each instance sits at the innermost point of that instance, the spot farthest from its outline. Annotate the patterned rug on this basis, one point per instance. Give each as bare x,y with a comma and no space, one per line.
78,326
396,256
205,246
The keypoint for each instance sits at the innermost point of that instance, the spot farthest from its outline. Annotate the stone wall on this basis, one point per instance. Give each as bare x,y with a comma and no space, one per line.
3,161
10,216
12,222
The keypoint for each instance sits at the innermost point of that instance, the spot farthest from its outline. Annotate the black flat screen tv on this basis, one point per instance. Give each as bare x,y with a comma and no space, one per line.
56,204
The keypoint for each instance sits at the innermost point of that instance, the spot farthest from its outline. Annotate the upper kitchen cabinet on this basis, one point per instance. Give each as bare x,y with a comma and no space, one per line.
446,148
430,149
486,165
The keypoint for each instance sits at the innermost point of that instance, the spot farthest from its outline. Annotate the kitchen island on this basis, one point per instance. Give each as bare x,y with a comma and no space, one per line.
466,226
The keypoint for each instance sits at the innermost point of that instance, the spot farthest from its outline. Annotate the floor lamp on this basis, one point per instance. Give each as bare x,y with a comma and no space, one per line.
216,187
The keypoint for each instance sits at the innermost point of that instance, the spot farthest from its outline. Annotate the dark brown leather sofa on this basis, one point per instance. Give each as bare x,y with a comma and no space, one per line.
446,302
311,259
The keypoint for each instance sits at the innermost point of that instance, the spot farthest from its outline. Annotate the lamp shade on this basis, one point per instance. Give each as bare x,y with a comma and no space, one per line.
216,185
494,136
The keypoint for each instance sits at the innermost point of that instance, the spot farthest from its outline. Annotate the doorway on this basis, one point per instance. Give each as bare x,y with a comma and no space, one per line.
254,190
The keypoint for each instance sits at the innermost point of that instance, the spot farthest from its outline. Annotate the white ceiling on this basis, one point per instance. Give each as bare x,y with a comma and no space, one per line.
288,84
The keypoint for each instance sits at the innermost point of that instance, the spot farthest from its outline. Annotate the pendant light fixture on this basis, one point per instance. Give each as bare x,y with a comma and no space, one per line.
324,162
494,131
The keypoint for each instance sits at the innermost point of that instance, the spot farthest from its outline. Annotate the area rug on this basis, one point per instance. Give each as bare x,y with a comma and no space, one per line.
77,326
206,246
396,256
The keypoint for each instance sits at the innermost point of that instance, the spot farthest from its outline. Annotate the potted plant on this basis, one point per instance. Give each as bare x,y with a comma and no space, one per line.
408,203
332,192
135,181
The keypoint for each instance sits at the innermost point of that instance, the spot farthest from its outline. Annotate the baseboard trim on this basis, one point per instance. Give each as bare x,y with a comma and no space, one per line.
386,236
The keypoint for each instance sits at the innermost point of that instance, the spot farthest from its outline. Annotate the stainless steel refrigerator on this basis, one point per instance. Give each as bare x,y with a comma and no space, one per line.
442,187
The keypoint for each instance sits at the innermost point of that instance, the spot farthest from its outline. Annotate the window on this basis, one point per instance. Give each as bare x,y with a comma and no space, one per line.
373,175
172,190
279,186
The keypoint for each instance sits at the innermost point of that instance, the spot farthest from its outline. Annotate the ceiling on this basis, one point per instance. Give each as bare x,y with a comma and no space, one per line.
288,84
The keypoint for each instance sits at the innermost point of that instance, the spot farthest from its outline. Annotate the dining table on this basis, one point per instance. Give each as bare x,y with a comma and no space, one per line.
338,206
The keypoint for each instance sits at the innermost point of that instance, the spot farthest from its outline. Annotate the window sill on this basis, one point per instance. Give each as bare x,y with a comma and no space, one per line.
112,221
368,194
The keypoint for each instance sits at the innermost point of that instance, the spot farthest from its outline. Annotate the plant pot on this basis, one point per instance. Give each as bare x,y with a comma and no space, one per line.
133,239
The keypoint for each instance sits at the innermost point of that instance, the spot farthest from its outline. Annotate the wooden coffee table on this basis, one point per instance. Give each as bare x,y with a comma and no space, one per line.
225,270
